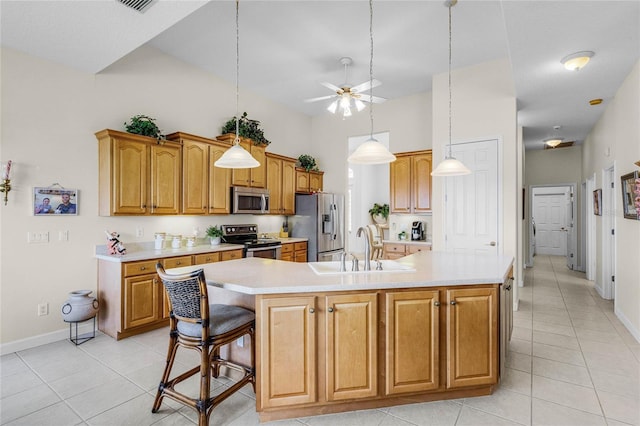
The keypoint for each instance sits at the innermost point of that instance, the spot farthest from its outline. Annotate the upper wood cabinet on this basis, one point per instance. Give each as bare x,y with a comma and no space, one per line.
281,184
308,182
255,177
410,182
137,175
205,188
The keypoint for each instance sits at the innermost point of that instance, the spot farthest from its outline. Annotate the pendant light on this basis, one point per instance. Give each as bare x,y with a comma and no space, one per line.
371,151
237,157
450,166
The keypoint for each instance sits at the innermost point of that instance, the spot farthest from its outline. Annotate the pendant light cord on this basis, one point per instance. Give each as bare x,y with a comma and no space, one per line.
451,3
237,139
371,65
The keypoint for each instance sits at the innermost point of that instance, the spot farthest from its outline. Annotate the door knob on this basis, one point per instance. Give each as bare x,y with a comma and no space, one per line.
492,244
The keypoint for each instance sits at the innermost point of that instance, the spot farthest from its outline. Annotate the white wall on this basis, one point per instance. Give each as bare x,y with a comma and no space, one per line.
483,106
49,116
615,139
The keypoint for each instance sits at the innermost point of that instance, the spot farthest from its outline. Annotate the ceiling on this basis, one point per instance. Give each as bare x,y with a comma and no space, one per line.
287,48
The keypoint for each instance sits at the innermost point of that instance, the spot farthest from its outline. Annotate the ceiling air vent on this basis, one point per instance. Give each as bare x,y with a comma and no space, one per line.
139,5
561,145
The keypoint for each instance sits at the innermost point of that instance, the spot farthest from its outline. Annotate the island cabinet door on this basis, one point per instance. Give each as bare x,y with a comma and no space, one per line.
412,338
472,337
286,351
351,346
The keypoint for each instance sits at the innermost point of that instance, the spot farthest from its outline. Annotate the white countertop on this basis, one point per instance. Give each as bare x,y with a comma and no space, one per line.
146,251
413,242
266,276
292,240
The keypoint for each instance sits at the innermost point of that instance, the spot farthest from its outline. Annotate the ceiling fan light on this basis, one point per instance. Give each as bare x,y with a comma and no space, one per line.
347,111
553,142
576,61
236,157
371,152
333,107
451,167
359,105
344,101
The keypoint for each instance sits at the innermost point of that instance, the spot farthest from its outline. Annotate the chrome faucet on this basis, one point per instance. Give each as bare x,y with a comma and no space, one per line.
343,259
367,247
354,263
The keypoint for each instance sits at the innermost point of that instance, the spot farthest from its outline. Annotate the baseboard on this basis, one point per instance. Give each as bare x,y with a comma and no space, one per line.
43,339
634,331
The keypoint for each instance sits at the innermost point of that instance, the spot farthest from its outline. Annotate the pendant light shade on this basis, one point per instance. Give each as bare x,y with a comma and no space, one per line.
237,157
371,151
450,166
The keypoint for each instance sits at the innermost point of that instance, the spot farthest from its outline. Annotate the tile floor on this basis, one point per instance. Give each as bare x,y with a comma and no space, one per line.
571,363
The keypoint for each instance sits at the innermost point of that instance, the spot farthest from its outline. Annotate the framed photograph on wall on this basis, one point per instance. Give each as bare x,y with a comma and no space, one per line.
597,202
631,195
55,201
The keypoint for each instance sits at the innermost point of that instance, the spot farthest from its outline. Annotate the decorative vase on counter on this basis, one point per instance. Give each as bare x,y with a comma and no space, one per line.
80,306
214,241
379,219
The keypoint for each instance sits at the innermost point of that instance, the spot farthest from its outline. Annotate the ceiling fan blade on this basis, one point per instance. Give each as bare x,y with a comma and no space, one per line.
374,99
321,98
331,86
366,86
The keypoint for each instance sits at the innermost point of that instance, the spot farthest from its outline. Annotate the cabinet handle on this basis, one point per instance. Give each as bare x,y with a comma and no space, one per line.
453,302
330,309
311,310
142,268
436,303
177,263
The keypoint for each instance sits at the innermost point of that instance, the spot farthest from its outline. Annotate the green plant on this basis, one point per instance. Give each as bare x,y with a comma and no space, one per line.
214,231
144,125
307,162
380,209
247,129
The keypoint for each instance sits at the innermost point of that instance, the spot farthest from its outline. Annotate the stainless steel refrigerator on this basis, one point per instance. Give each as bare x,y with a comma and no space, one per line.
320,218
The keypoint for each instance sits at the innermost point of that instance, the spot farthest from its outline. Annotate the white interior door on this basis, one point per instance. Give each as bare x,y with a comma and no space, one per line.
550,217
590,230
606,286
569,229
471,202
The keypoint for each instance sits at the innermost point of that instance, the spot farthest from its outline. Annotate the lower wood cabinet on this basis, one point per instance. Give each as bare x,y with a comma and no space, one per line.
398,250
132,297
318,351
294,252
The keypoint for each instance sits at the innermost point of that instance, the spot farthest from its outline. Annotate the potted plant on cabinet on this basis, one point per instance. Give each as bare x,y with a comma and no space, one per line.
307,162
247,128
379,213
145,126
215,234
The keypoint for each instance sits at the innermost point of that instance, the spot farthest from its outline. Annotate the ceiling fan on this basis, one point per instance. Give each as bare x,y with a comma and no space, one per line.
348,96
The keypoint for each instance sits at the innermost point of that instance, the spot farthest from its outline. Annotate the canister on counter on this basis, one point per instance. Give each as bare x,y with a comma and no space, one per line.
176,241
159,239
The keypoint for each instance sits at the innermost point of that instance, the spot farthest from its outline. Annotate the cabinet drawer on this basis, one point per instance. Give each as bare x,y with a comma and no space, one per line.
175,262
199,259
300,246
231,254
287,248
139,268
394,248
411,248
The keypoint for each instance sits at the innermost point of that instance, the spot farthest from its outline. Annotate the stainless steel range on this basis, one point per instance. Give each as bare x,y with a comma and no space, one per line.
267,248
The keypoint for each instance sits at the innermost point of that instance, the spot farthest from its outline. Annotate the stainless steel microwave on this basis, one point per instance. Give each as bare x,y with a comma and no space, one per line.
249,200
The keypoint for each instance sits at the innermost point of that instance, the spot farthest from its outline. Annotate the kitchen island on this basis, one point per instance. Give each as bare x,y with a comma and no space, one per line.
345,341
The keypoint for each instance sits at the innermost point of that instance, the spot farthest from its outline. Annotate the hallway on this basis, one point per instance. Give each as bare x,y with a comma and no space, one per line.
571,363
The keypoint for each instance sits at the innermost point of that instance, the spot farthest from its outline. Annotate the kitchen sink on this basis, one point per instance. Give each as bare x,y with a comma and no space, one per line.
325,268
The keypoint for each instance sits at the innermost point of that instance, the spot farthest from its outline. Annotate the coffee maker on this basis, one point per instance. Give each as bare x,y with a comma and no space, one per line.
417,231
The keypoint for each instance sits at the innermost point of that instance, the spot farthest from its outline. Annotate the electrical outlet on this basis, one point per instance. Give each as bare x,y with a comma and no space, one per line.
139,232
37,237
43,309
63,235
240,342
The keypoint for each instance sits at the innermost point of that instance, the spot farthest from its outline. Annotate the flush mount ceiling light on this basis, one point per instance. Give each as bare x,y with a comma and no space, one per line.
237,157
577,61
555,140
371,151
450,166
597,101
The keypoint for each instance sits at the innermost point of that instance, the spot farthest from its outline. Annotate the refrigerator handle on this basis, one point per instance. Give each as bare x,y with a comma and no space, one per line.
335,221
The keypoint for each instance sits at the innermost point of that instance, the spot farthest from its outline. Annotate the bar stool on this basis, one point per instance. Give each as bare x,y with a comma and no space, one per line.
197,325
